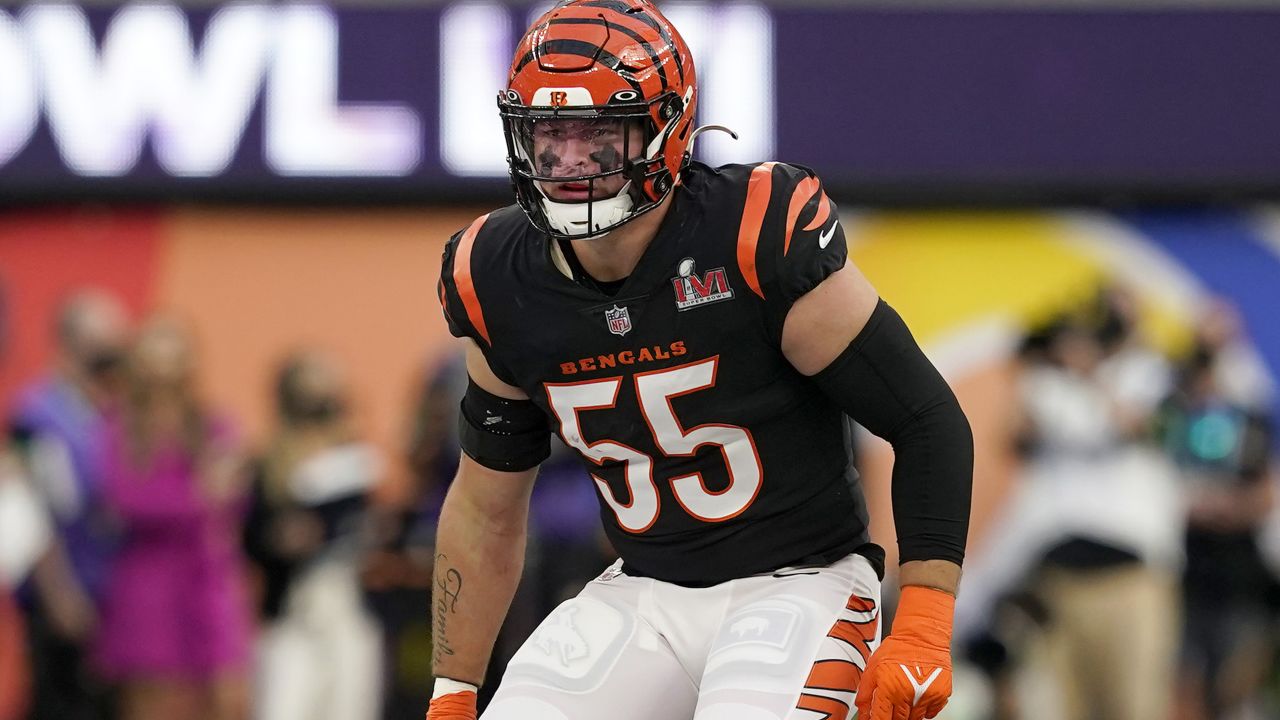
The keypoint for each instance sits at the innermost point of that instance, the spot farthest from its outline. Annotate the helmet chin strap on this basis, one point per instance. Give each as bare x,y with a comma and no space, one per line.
571,218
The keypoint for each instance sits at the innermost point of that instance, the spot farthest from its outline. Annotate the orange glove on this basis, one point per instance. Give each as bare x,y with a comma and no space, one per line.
453,706
909,676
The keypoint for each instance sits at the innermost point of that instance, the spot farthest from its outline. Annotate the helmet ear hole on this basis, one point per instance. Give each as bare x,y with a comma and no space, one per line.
670,108
662,183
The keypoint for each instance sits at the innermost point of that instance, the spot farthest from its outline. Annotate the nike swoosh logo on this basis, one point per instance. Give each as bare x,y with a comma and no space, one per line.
825,237
793,574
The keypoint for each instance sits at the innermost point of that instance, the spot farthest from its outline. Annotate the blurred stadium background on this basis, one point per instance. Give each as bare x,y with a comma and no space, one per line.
282,176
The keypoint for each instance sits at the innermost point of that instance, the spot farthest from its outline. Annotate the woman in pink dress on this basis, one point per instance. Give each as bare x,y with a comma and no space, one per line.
176,626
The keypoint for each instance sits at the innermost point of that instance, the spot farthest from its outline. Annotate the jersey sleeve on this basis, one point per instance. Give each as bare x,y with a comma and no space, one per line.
460,298
801,242
455,314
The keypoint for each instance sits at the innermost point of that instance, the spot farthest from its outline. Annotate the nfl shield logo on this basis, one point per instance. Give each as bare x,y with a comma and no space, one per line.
619,320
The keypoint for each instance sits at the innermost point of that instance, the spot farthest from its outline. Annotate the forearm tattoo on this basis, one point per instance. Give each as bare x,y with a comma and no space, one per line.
448,587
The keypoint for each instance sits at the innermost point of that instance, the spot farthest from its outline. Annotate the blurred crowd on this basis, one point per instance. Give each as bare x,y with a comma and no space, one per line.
154,563
1131,576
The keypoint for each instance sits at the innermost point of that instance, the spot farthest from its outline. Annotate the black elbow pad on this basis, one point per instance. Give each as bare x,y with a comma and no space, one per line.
502,434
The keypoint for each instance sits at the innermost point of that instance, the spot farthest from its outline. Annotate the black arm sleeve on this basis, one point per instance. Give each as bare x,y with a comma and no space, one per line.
502,434
885,383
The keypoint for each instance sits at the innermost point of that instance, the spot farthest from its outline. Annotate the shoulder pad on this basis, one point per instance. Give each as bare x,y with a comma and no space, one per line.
477,251
458,298
789,238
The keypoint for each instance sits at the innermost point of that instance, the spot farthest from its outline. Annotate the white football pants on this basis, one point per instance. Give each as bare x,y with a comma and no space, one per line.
789,645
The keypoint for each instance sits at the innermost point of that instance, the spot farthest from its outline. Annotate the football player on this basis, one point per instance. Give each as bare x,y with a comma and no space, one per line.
696,334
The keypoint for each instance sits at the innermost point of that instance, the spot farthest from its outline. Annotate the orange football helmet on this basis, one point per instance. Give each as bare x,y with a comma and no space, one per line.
599,71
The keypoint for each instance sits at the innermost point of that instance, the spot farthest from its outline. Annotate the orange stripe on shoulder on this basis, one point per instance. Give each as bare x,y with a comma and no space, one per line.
759,188
463,281
824,211
804,191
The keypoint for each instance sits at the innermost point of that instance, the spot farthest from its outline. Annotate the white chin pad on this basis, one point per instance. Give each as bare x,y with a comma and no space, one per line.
571,218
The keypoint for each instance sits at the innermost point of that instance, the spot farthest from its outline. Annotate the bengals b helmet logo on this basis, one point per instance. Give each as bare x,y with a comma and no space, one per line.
559,98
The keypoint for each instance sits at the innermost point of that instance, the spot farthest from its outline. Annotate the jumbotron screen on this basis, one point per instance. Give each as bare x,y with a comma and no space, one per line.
300,100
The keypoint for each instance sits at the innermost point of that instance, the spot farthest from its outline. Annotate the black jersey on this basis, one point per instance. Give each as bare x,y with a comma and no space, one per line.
713,457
